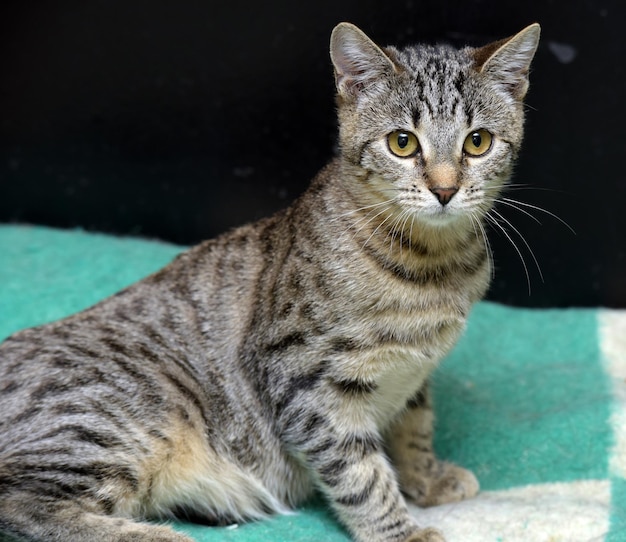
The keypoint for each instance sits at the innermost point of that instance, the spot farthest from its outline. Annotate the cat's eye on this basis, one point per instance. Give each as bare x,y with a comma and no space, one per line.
478,142
403,144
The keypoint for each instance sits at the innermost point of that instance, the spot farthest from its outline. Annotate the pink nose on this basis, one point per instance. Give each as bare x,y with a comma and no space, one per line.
444,194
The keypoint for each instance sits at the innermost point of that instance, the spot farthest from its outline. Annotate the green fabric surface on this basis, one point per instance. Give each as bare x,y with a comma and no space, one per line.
311,523
46,274
618,511
521,400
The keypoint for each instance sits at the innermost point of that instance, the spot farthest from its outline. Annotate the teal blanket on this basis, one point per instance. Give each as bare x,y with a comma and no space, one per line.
533,401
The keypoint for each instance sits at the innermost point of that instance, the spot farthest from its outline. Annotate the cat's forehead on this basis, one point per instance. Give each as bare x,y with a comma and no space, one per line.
431,59
434,81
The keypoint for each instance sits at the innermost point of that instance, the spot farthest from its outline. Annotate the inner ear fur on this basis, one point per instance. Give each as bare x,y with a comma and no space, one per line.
508,60
358,62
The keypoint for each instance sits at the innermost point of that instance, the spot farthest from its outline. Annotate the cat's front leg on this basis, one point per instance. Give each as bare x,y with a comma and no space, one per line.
351,468
423,478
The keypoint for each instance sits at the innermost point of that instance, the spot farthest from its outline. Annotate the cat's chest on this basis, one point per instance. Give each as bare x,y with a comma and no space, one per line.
406,374
400,363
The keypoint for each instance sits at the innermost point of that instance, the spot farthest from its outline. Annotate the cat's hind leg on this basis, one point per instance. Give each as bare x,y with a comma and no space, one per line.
25,516
423,478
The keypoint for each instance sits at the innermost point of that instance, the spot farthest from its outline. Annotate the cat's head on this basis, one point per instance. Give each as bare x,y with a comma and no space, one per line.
433,129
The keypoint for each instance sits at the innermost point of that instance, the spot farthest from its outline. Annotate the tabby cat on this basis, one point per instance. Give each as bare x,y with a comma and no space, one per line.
287,355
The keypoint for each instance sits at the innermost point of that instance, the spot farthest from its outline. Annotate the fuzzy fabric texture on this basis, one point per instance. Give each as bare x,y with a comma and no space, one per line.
533,401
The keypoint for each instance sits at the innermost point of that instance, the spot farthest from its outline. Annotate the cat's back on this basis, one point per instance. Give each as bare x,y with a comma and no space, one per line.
158,345
143,391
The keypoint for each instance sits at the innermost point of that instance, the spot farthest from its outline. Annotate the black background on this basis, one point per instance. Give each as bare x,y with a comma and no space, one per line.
178,120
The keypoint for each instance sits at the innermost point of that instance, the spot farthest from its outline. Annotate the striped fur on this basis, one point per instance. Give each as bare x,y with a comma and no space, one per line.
286,355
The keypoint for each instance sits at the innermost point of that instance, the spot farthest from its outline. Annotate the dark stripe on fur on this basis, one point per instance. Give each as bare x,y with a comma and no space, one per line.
171,354
27,414
301,382
360,498
359,446
100,438
419,447
303,428
328,444
331,473
435,274
296,338
339,345
188,394
400,524
417,401
116,346
10,386
82,475
354,387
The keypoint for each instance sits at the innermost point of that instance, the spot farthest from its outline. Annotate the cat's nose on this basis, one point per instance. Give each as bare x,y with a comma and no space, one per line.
444,194
443,180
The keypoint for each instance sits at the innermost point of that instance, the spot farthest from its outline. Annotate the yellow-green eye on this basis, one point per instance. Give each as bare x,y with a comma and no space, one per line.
478,142
403,144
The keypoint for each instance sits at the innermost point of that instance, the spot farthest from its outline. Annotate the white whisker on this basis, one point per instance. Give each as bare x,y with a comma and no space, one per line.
406,215
477,223
391,233
372,215
509,204
510,225
411,228
365,207
540,209
494,222
376,230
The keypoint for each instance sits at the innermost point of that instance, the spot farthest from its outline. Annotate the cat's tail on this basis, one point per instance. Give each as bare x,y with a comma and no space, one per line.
25,517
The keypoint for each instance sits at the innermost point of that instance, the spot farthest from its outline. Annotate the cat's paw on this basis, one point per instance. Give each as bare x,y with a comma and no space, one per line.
426,535
445,484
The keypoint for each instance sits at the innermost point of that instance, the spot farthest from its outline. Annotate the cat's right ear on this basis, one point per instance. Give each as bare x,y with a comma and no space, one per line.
508,61
359,63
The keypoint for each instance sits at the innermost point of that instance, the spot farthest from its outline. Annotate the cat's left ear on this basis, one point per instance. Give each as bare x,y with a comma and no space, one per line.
359,63
508,61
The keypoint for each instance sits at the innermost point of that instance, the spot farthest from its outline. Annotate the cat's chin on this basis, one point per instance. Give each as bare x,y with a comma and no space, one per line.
442,218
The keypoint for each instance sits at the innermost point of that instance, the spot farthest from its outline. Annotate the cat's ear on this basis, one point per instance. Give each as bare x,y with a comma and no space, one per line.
359,63
508,61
